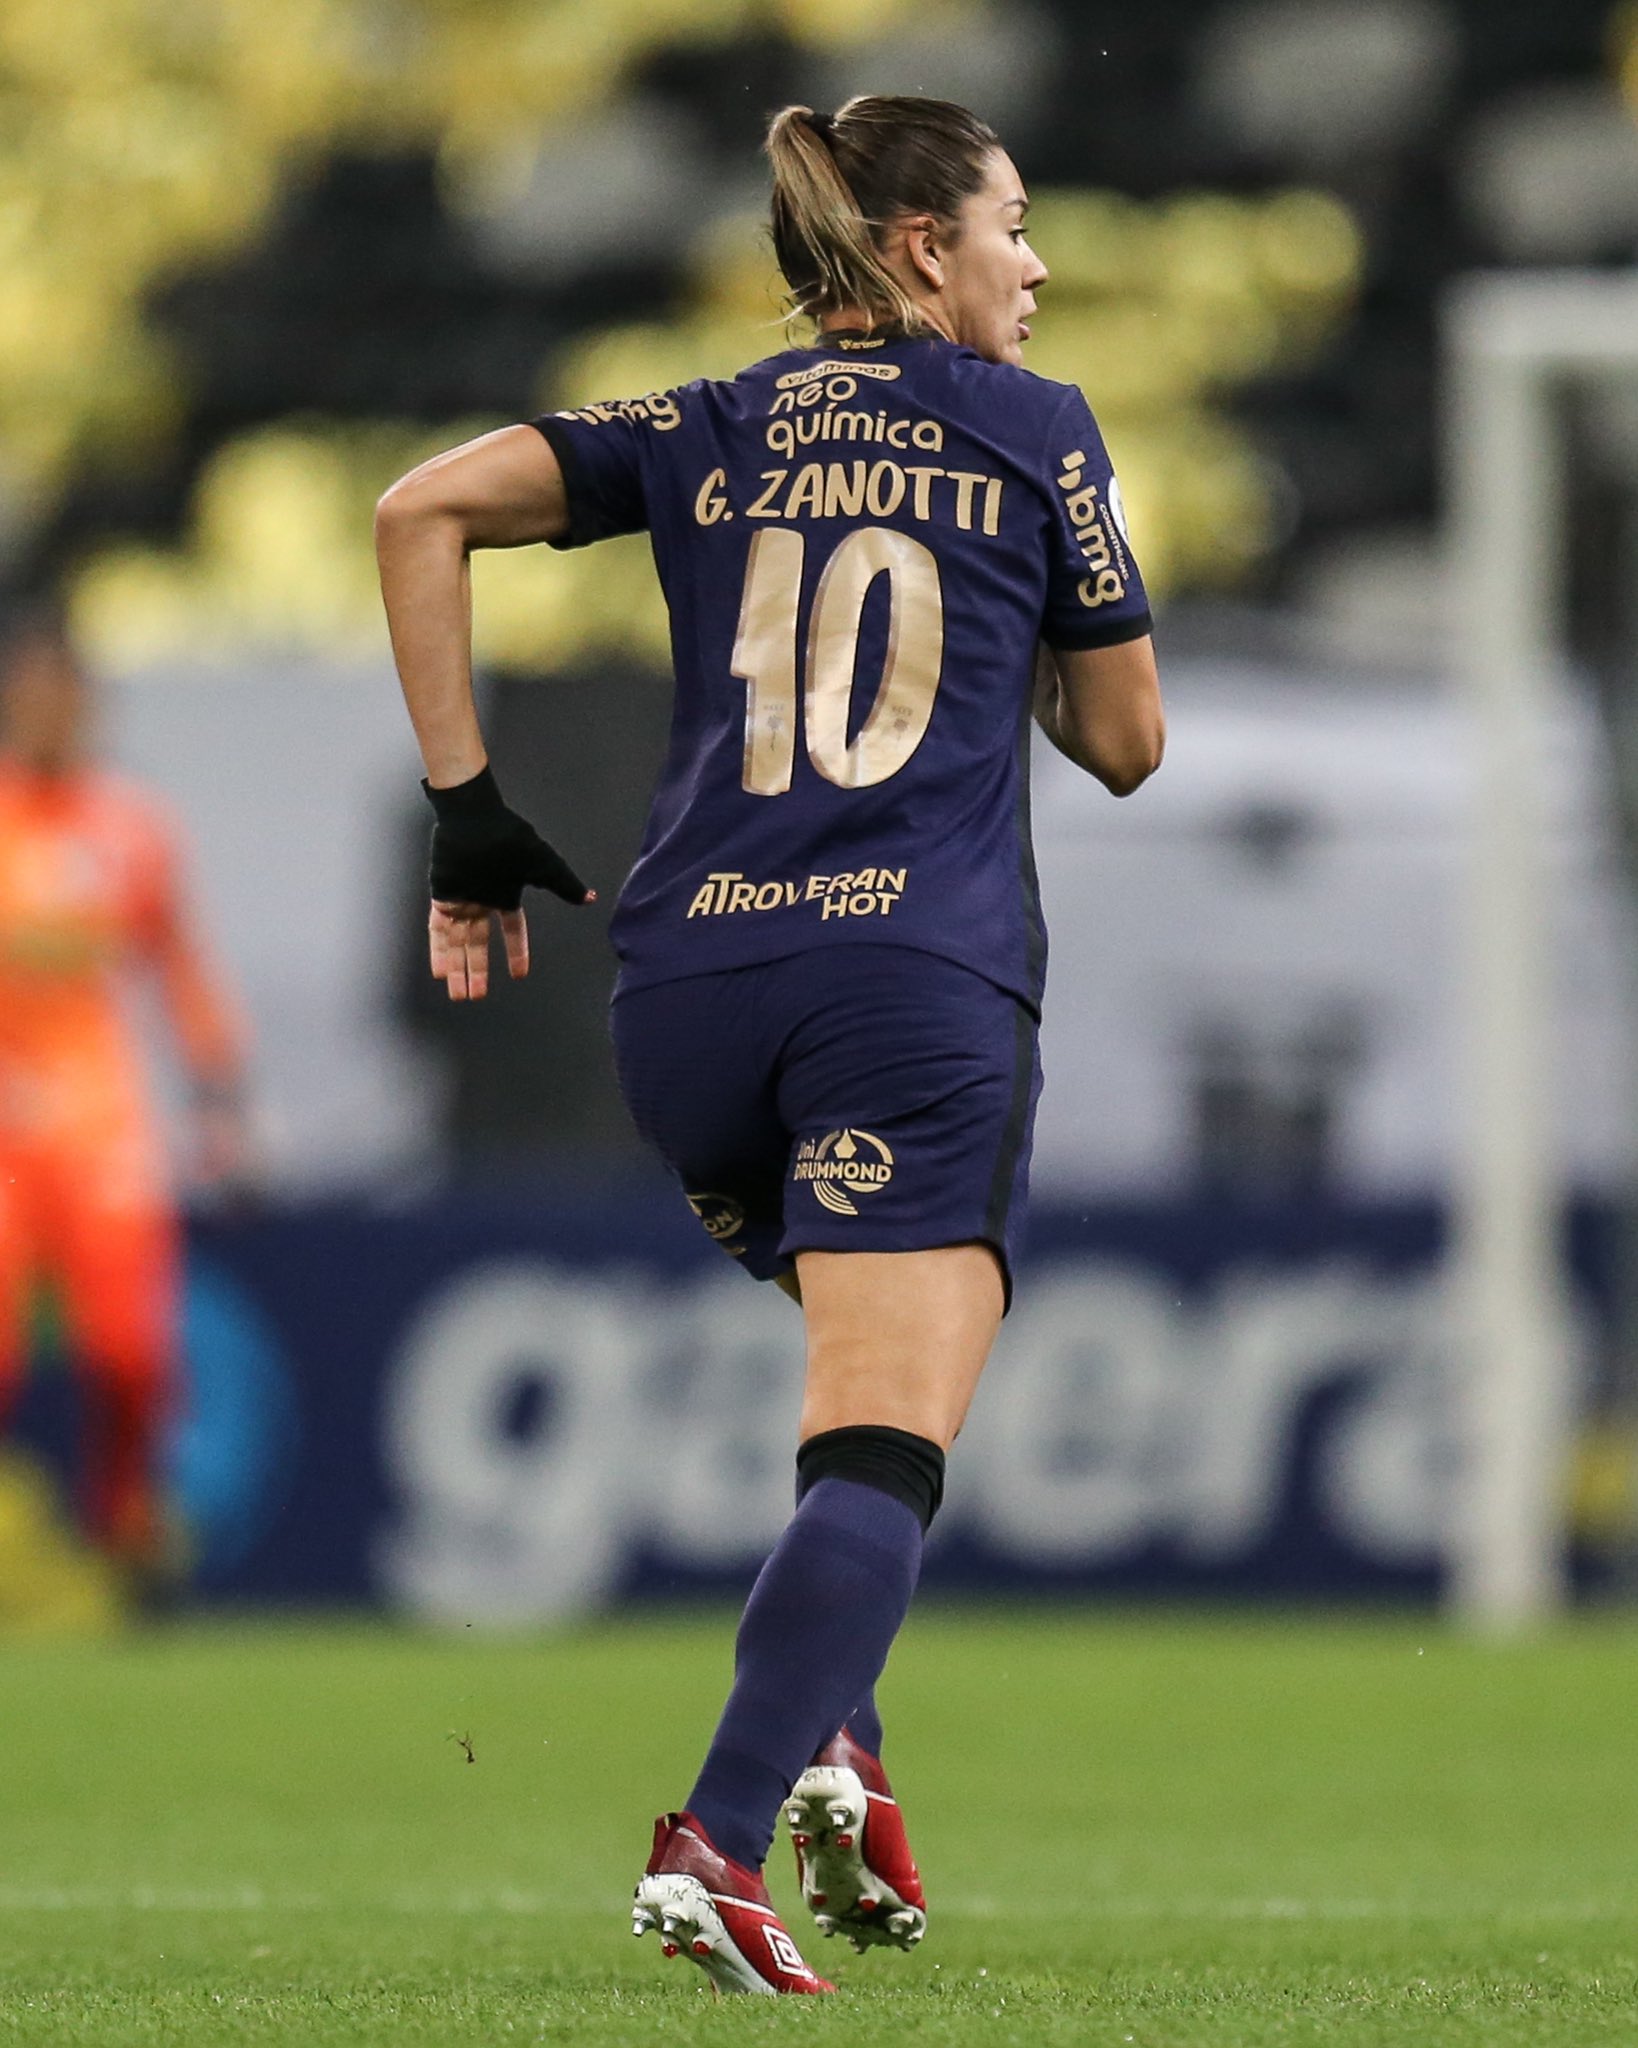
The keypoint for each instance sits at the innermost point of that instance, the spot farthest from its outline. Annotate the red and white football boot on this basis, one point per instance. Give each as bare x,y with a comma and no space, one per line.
858,1876
716,1912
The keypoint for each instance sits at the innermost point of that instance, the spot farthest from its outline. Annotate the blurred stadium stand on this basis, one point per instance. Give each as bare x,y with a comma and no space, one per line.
279,254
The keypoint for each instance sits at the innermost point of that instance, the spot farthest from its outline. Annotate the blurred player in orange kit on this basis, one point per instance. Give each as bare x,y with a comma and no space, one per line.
90,899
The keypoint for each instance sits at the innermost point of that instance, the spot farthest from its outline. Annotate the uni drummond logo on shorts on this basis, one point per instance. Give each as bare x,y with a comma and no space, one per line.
843,1164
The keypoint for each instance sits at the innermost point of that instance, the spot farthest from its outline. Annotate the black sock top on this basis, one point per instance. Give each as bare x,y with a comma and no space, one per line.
907,1468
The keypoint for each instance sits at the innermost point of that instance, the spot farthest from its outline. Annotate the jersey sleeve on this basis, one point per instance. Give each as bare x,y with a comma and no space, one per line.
1095,595
599,449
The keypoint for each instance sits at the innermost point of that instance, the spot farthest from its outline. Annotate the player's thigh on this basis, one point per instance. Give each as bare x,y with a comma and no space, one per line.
898,1339
118,1258
911,1092
694,1060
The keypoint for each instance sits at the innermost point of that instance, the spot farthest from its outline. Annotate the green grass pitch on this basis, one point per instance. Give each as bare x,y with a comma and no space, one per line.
1149,1831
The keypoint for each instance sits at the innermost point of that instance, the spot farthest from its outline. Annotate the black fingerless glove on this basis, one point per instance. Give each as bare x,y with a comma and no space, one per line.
483,852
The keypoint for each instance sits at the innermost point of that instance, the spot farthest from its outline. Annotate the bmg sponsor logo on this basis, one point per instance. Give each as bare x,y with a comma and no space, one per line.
843,1164
659,408
1099,534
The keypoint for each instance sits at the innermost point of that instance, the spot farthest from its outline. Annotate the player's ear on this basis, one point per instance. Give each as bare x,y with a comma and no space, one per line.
923,247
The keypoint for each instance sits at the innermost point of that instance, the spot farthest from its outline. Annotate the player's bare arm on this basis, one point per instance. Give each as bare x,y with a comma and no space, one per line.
503,490
211,1037
1100,707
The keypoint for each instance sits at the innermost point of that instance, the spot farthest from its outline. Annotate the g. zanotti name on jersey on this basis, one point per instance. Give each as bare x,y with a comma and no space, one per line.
967,499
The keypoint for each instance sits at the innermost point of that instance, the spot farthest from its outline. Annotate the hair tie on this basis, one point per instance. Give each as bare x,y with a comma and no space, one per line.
822,124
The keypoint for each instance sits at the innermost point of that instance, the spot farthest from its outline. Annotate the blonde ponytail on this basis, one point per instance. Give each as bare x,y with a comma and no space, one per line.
840,181
814,212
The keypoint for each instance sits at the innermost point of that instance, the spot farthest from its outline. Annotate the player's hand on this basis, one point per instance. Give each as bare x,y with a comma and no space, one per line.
227,1169
483,858
458,937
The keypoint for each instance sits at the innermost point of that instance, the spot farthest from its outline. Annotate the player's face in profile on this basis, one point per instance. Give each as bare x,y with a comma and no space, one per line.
990,271
44,704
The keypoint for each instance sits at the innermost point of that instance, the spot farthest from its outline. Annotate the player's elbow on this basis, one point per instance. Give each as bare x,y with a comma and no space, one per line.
408,508
1129,765
394,514
1110,718
1122,755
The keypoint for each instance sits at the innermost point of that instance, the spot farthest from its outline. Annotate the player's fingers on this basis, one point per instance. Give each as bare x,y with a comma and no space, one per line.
442,944
515,931
448,927
477,958
455,968
439,941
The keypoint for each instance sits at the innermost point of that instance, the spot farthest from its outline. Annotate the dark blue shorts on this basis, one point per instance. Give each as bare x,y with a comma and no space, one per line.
854,1098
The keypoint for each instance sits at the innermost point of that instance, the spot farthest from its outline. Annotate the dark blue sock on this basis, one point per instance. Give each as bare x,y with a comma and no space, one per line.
814,1637
862,1721
864,1724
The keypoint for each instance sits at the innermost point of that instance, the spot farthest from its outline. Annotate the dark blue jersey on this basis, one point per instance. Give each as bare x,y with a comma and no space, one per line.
861,544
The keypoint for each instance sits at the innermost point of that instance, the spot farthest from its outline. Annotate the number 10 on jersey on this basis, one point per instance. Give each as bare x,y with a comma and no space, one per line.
766,657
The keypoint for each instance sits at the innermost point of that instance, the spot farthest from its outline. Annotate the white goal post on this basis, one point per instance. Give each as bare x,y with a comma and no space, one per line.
1510,342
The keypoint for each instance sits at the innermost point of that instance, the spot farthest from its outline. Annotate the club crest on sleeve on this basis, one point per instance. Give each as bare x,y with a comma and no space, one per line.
843,1164
1117,510
723,1218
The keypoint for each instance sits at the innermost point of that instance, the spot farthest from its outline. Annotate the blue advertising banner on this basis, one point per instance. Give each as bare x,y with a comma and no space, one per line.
512,1410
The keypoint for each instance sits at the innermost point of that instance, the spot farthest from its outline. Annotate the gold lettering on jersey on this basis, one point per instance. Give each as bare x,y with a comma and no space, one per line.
964,481
762,506
816,373
966,499
862,892
784,436
1096,534
711,500
844,490
884,489
807,493
921,489
659,408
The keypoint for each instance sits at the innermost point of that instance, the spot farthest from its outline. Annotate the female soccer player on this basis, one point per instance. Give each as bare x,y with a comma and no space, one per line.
831,950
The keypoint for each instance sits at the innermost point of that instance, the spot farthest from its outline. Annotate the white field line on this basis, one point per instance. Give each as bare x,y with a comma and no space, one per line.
510,1902
152,1898
1132,1908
